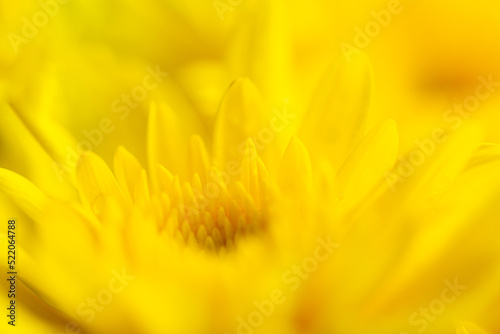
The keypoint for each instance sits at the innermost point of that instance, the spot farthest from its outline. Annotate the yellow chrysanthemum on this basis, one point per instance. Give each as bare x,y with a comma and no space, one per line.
267,231
143,203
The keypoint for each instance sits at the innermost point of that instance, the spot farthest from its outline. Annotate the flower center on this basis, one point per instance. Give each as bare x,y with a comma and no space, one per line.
219,227
214,220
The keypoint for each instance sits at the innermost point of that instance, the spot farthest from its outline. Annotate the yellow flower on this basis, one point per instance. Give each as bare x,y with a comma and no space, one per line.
286,207
287,224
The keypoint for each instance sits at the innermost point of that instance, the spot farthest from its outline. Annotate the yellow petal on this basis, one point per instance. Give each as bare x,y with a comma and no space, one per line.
23,193
95,183
367,164
48,134
486,153
263,48
249,176
295,175
168,140
336,117
199,161
469,328
241,116
165,179
66,239
440,166
141,191
38,316
468,210
44,148
127,171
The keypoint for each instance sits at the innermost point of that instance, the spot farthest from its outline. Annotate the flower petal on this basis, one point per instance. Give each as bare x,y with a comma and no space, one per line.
38,317
262,49
440,168
39,143
366,165
96,182
127,171
199,161
336,117
295,175
241,116
469,328
168,140
23,193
